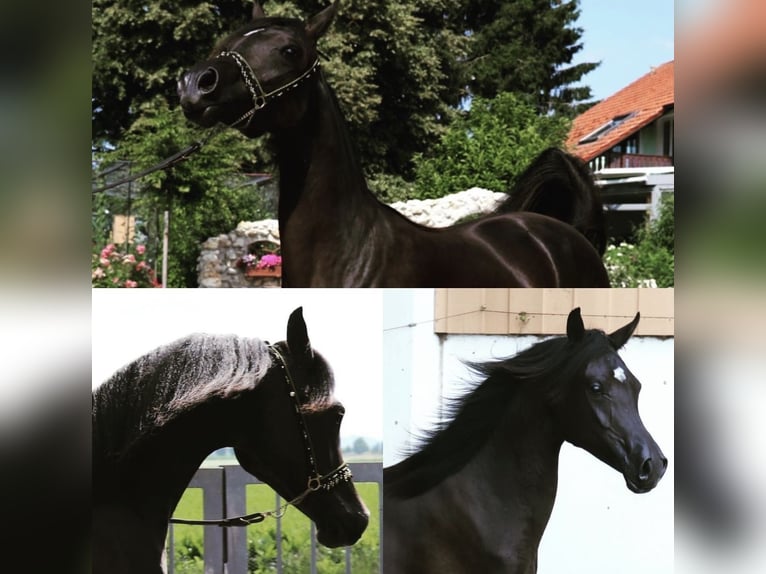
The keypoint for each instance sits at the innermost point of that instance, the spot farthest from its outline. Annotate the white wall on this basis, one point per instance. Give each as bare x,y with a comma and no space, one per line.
597,524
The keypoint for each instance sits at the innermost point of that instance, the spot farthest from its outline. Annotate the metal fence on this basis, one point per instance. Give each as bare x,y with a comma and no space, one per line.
224,494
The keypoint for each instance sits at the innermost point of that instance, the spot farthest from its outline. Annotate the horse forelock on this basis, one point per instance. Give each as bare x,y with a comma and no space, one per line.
162,385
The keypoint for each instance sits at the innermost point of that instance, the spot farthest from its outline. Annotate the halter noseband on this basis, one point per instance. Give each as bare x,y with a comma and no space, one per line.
259,95
315,480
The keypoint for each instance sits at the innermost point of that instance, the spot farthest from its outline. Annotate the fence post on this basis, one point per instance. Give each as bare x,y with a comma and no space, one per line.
211,481
236,505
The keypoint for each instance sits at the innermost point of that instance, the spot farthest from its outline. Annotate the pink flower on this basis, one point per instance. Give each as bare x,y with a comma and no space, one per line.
141,265
269,260
129,258
104,262
140,249
107,251
98,273
129,283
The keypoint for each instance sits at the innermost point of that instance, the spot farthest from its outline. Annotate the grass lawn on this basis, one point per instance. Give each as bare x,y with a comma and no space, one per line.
296,548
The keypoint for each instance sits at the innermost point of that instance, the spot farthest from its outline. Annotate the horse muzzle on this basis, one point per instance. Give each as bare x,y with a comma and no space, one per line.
208,90
646,466
343,531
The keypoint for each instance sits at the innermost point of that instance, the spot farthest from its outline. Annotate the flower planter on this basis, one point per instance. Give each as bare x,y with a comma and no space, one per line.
275,271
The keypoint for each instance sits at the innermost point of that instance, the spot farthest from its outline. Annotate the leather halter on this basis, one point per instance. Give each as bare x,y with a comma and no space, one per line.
315,481
260,96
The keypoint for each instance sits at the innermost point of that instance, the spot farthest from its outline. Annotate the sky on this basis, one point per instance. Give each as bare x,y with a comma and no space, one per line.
344,325
627,37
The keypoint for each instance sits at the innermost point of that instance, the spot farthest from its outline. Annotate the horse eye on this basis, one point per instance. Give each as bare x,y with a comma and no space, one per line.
596,388
289,51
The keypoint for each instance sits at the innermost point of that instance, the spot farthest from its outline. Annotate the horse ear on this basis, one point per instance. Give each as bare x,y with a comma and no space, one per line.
258,10
621,335
318,24
297,334
575,326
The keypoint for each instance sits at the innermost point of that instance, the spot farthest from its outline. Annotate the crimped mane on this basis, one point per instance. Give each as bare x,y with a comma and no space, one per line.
470,420
170,381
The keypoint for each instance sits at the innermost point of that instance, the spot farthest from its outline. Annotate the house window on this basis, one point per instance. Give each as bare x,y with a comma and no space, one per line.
629,145
606,128
667,138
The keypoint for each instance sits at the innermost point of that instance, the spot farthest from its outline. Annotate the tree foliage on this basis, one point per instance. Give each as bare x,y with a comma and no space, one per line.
141,48
206,195
387,62
398,68
527,46
488,146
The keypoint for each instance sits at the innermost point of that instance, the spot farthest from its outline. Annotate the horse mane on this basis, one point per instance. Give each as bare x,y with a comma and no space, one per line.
560,185
472,418
168,382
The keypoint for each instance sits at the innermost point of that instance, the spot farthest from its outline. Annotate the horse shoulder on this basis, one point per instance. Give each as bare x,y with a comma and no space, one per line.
121,543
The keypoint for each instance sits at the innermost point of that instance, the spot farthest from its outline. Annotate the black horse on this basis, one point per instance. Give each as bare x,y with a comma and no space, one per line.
157,418
477,495
266,77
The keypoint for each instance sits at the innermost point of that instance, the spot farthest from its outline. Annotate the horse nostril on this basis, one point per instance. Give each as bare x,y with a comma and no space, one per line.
646,470
664,463
207,81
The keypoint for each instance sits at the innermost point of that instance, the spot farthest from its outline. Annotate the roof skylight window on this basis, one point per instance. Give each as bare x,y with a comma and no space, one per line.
606,128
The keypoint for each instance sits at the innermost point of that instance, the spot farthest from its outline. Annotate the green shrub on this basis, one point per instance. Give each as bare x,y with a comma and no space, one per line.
650,261
487,146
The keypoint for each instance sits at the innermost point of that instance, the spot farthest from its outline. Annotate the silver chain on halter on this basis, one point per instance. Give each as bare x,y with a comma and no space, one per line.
259,95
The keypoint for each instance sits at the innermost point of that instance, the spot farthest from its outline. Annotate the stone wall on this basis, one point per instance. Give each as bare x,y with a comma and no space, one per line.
450,209
217,262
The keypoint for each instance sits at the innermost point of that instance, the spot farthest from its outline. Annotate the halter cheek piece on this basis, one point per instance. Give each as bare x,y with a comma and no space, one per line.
315,481
259,95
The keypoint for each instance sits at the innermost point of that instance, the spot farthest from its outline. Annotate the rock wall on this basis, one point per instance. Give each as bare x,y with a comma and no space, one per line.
450,209
217,262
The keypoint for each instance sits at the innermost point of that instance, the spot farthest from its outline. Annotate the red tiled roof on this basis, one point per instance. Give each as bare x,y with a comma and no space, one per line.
647,97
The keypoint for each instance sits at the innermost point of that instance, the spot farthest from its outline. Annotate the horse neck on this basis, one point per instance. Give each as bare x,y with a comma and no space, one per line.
501,500
320,174
153,480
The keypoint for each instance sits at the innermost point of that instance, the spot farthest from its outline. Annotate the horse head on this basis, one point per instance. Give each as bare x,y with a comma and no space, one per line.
600,411
255,79
293,443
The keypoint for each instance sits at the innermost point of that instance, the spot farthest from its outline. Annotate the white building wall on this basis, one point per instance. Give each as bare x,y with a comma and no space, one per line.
597,524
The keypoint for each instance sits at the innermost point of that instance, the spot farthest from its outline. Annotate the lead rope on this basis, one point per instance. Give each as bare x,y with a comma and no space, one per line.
315,481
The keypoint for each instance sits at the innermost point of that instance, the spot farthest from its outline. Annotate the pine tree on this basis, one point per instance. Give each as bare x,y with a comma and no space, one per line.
526,47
